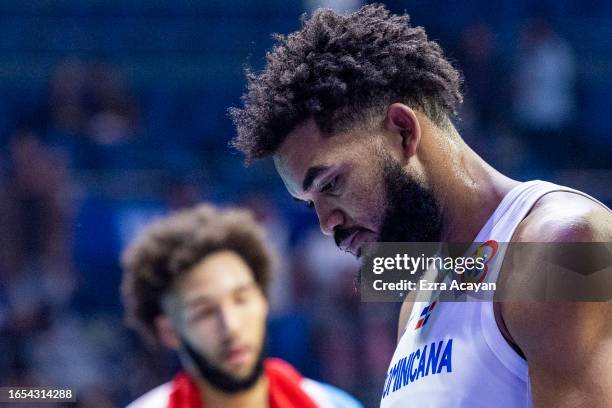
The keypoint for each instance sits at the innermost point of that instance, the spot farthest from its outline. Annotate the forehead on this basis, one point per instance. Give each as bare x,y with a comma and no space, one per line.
214,276
306,147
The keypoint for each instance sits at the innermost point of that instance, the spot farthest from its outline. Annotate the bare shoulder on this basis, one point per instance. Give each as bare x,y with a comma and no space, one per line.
576,331
557,219
565,217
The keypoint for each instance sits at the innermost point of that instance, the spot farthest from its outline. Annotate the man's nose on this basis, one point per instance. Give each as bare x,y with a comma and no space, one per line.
329,220
229,320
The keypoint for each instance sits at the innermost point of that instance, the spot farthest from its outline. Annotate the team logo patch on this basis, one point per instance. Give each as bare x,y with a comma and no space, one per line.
486,251
425,315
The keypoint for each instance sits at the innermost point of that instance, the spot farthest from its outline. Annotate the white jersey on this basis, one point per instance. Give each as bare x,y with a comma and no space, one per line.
323,395
452,354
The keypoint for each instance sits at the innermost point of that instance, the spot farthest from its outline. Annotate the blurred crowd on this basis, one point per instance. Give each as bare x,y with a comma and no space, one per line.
94,151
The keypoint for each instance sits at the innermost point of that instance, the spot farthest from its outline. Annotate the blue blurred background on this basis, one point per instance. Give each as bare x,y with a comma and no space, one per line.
113,112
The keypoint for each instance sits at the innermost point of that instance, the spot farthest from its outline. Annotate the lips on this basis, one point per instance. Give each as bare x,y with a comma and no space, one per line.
354,242
346,244
237,356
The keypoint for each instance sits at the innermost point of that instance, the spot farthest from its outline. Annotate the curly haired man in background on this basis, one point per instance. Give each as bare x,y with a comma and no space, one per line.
196,282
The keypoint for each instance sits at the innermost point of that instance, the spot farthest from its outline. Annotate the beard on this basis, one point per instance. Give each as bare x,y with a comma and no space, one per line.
412,212
218,378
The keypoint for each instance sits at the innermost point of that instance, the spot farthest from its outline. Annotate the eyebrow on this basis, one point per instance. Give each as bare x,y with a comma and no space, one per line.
197,300
203,299
311,175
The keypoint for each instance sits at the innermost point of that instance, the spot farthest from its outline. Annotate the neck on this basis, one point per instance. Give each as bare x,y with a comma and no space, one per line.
256,396
469,190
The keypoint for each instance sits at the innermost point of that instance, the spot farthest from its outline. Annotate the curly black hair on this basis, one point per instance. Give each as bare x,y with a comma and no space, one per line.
337,70
171,246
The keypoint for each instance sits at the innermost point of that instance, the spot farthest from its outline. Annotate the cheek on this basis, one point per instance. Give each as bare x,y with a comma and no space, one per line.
254,320
365,204
203,337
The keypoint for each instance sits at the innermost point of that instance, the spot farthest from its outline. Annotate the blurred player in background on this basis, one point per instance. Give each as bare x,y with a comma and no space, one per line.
196,282
356,111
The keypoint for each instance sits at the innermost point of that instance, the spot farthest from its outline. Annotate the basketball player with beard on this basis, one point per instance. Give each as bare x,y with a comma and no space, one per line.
196,282
356,112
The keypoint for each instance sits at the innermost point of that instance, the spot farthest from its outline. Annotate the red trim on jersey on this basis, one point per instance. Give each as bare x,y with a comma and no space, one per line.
283,387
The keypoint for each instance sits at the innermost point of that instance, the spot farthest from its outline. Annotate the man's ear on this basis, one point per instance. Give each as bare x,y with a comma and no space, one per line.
166,332
402,121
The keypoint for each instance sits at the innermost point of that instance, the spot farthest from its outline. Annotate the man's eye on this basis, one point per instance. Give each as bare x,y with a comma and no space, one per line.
329,186
243,295
203,313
